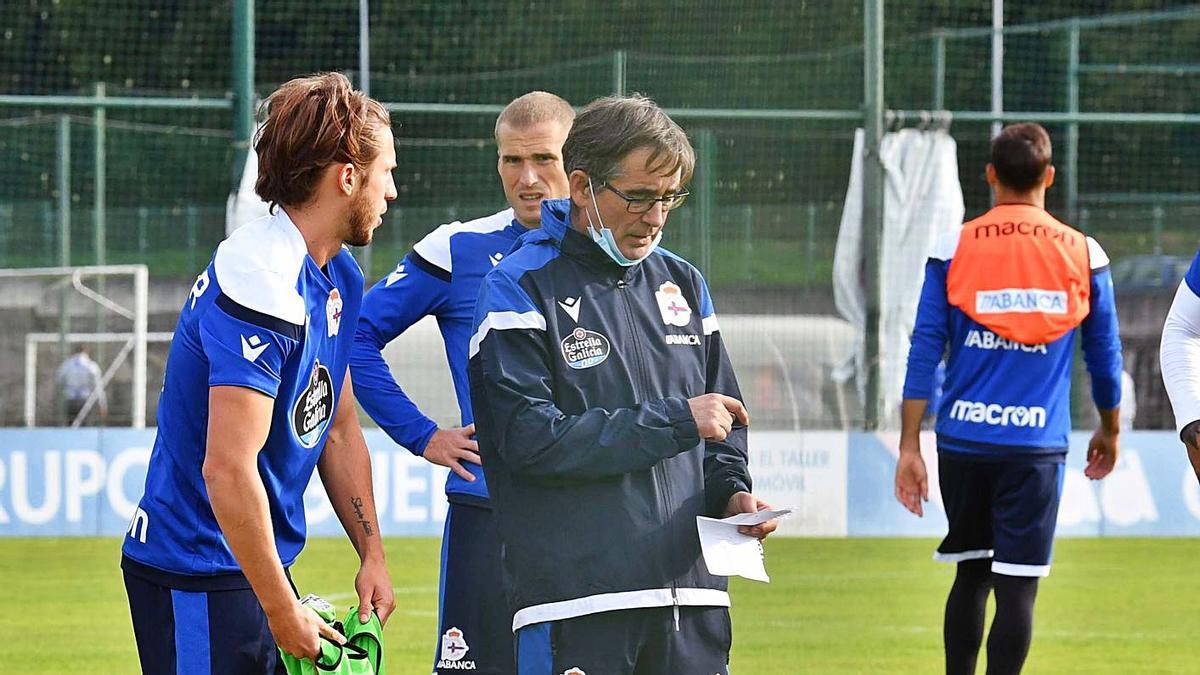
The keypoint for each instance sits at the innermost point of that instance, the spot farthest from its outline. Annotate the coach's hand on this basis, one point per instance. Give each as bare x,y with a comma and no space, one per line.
716,415
374,587
298,630
912,482
1102,453
744,502
452,447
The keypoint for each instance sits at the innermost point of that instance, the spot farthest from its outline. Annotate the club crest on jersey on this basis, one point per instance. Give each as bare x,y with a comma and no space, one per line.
574,671
454,649
672,305
585,348
333,313
314,407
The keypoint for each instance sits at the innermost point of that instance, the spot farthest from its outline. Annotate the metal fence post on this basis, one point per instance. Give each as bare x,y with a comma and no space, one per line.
1157,214
810,243
747,242
706,186
939,71
100,178
364,84
873,183
1072,149
100,204
997,64
243,84
64,227
618,73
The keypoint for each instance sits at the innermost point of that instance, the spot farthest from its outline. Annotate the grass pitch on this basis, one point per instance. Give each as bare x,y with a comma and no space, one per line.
834,606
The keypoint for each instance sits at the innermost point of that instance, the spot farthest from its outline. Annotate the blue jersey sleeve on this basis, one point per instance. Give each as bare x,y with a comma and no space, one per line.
1102,343
246,348
394,304
930,332
1192,278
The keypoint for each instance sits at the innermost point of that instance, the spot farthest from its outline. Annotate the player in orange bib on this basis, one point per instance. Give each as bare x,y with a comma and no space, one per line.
1003,298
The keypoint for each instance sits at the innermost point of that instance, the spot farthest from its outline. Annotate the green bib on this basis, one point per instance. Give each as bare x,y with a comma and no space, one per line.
361,655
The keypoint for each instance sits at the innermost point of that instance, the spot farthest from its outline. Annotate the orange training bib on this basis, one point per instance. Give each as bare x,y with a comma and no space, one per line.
1021,273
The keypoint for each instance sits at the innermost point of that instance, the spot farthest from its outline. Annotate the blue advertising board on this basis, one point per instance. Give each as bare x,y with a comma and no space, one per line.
86,482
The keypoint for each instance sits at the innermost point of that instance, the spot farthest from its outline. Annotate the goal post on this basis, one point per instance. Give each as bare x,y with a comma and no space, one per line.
27,292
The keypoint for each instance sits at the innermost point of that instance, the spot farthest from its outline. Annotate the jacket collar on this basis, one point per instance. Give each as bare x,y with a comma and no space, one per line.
556,225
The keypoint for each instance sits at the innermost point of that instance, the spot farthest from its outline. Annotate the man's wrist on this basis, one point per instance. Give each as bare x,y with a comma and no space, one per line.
1110,422
732,486
373,555
683,424
422,442
277,606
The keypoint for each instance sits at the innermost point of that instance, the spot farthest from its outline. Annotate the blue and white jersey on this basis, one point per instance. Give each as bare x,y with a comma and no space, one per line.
1001,397
264,316
1179,353
440,277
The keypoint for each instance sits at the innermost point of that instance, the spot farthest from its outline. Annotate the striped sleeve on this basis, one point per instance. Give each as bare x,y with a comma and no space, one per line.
503,305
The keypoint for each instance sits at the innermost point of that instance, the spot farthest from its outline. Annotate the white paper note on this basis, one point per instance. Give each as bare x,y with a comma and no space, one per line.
728,552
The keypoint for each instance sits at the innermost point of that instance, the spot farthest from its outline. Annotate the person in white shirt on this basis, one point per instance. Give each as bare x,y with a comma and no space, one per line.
77,378
1179,356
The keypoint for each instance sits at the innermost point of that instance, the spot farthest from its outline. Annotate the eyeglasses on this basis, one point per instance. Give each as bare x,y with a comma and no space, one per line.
643,204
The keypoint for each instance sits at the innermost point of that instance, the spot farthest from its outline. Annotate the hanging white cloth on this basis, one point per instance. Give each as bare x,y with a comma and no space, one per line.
243,204
922,199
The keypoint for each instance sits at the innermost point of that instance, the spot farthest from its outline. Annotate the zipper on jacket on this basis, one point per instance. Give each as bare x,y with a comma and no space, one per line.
639,390
675,606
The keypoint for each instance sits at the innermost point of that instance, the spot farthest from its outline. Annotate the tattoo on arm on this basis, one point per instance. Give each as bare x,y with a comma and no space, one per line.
356,502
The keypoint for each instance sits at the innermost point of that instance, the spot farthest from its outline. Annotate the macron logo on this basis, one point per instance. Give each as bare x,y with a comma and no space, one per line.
395,276
571,307
496,258
253,348
139,525
991,414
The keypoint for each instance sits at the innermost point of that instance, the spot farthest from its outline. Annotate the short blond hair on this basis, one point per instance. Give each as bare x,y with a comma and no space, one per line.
534,108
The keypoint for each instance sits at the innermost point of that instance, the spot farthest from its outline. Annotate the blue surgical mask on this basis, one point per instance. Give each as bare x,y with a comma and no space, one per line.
604,236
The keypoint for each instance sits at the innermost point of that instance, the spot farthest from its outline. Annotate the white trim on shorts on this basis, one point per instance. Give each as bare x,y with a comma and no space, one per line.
977,554
1016,570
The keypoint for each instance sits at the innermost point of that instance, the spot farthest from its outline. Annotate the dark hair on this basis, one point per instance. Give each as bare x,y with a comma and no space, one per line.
1020,155
610,128
534,108
310,123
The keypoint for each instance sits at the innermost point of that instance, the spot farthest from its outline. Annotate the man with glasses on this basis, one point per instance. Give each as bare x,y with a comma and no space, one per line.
608,415
440,277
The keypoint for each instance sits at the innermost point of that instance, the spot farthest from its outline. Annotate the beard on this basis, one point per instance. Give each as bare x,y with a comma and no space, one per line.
362,221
